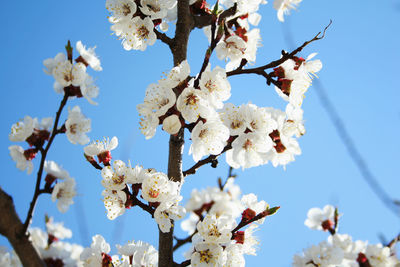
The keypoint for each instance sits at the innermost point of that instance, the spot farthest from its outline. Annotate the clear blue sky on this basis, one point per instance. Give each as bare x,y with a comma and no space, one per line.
360,55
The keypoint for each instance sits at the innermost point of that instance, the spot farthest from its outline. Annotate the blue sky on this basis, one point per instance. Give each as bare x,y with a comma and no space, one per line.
360,56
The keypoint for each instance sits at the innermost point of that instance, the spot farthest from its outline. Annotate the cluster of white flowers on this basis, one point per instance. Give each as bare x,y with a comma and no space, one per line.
134,21
253,135
73,78
122,183
35,134
213,215
340,249
130,255
63,191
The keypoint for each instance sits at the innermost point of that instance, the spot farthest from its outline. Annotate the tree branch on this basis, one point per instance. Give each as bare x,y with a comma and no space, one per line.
12,227
42,160
206,20
163,38
209,159
181,242
285,56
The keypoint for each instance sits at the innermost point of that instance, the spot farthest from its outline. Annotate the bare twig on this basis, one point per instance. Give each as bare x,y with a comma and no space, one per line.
181,242
276,63
394,241
42,160
209,159
183,264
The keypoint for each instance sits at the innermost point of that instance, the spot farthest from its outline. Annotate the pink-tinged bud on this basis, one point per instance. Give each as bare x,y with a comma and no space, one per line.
239,237
105,157
106,260
327,225
248,214
30,154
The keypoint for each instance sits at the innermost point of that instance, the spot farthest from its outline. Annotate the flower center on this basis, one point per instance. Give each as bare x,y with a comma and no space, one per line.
142,32
191,99
214,231
205,256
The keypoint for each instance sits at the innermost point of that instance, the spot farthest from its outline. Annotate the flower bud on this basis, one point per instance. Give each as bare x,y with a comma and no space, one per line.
172,124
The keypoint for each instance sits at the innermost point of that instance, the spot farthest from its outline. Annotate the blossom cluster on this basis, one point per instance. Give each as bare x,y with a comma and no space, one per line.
135,23
216,239
122,184
251,135
340,249
55,252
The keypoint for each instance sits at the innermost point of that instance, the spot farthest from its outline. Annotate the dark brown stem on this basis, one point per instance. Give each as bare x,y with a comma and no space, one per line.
181,242
42,160
163,37
183,264
178,48
209,159
137,202
206,20
276,63
12,227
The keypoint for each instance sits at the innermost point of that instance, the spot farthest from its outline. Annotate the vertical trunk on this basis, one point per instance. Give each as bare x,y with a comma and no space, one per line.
179,51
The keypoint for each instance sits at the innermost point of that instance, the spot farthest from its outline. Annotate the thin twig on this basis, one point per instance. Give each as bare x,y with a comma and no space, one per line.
276,63
209,159
181,242
42,160
394,241
183,264
137,202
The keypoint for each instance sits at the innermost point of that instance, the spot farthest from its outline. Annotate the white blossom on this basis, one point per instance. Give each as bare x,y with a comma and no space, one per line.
234,118
57,229
89,56
77,125
17,154
192,104
117,179
172,124
67,74
53,169
93,256
167,211
216,86
141,34
249,150
21,130
64,192
142,254
216,230
177,75
99,147
283,7
208,255
114,202
208,138
316,217
158,188
51,63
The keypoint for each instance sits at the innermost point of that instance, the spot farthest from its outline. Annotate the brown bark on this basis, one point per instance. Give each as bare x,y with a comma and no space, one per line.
178,47
12,228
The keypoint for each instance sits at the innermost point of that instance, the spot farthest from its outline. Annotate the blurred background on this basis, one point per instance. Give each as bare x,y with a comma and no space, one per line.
350,153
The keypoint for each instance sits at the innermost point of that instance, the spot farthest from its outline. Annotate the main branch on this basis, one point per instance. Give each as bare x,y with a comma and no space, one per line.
12,228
